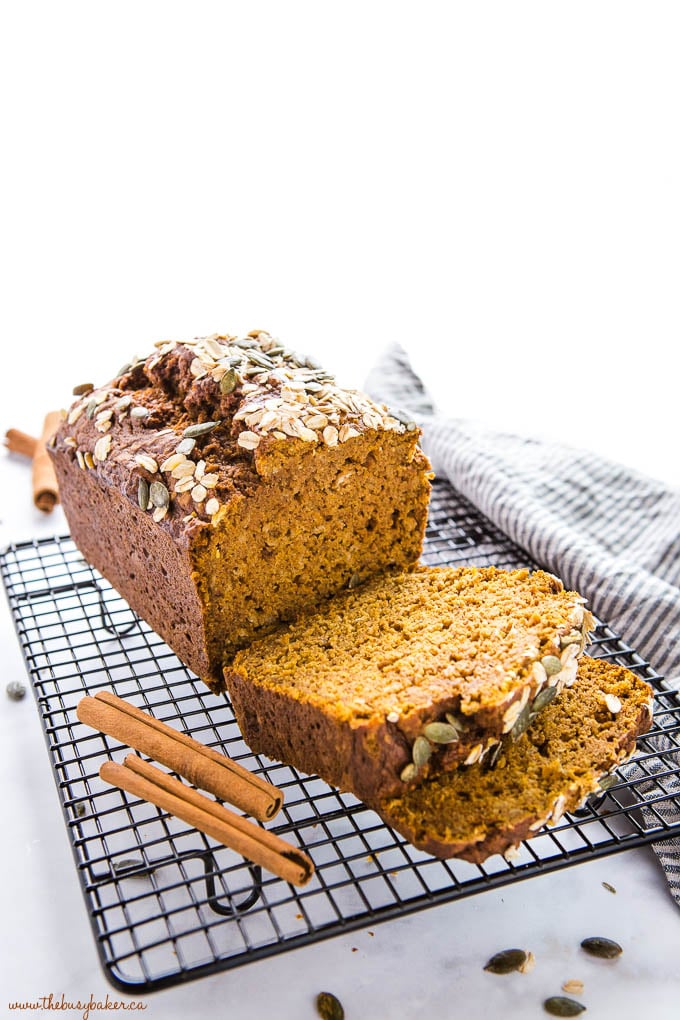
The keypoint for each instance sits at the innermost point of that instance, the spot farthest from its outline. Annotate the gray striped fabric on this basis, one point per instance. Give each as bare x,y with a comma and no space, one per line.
607,531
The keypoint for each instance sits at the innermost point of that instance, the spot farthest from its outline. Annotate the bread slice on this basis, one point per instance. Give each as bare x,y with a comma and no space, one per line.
587,731
408,675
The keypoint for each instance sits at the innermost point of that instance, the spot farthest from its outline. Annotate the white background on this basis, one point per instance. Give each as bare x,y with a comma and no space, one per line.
494,186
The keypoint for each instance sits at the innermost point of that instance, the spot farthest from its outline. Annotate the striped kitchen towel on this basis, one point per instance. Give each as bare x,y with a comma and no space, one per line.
609,532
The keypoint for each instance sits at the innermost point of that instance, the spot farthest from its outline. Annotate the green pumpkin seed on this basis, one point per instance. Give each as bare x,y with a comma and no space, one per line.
522,723
506,961
543,698
551,664
143,493
421,752
606,949
192,431
228,382
329,1007
560,1005
441,733
456,722
408,773
159,494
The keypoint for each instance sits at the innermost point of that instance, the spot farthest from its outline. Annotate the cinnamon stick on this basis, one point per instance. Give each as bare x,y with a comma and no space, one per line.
20,442
141,779
45,491
201,765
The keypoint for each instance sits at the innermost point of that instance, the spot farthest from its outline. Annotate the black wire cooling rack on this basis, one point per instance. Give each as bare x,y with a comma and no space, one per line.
165,902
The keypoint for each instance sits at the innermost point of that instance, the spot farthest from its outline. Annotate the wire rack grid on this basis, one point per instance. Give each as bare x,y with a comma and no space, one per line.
166,903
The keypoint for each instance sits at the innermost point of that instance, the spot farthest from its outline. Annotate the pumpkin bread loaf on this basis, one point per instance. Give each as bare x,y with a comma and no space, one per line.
408,675
224,484
567,749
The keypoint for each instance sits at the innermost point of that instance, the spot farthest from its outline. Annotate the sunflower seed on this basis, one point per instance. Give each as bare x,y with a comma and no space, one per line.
560,1005
193,431
606,949
185,484
173,461
139,412
143,493
474,755
124,370
15,690
159,494
123,403
440,733
328,1007
506,961
147,462
102,448
421,751
613,703
75,413
408,773
159,513
185,469
248,440
212,506
551,664
186,446
573,987
354,581
539,674
543,699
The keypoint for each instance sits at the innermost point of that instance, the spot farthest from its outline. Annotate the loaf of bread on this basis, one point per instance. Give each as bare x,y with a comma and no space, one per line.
568,748
225,484
409,675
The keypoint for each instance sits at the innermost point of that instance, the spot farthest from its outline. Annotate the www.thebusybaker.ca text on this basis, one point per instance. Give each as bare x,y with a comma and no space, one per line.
83,1006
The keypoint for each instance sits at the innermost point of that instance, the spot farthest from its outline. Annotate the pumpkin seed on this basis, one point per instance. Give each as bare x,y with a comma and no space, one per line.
440,733
560,1005
421,751
186,446
543,699
15,690
606,782
159,494
192,431
606,949
522,723
456,722
228,382
552,664
408,773
506,961
329,1007
143,493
